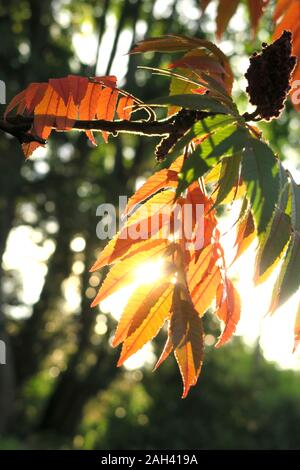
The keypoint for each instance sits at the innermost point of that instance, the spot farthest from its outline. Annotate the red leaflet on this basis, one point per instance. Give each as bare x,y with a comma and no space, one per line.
78,87
19,98
34,94
62,88
187,339
229,309
62,101
198,63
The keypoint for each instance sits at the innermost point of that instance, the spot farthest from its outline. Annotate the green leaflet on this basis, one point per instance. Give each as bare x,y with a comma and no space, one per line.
225,141
260,173
269,253
200,129
179,86
288,280
229,177
284,189
211,124
277,234
295,199
193,101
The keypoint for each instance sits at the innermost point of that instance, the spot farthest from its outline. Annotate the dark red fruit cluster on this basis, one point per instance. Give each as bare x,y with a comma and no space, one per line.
269,76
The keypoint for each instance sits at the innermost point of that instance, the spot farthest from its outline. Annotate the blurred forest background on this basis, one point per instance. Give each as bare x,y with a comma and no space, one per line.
60,387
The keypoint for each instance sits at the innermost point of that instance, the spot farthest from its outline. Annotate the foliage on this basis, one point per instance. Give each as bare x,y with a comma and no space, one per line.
216,137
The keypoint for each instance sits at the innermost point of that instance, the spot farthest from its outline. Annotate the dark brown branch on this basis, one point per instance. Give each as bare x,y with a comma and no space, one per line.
171,128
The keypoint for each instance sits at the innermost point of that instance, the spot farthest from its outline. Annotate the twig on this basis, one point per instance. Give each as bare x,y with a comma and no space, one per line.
171,128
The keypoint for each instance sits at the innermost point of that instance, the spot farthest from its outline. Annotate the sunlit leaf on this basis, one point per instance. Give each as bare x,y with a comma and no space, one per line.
225,141
260,173
297,330
123,273
229,310
192,101
187,339
226,10
272,247
137,309
288,281
245,234
204,292
151,325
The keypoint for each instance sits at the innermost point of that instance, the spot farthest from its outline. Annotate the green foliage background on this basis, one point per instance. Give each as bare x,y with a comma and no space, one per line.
60,387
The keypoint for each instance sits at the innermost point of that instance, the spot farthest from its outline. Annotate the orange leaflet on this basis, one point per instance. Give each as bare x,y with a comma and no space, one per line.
198,269
152,215
66,115
204,221
118,249
89,104
281,7
107,106
124,108
229,310
137,309
123,273
187,338
168,348
290,19
28,149
204,293
162,179
245,234
34,94
45,113
150,326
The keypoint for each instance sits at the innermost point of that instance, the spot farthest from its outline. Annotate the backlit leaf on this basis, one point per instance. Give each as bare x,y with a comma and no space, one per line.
124,272
229,310
122,242
260,173
272,247
225,141
192,101
288,281
297,330
137,309
204,292
187,338
151,325
226,10
245,234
